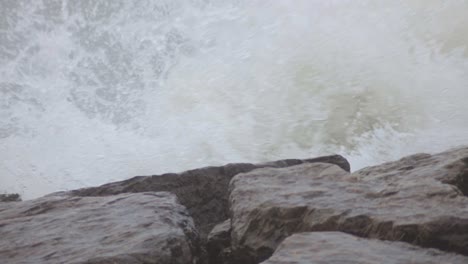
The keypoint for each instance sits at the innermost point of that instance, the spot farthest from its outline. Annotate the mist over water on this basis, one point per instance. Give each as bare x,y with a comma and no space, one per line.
98,91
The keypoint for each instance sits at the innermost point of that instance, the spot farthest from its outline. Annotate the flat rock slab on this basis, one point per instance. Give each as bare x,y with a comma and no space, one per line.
126,228
449,168
341,248
419,199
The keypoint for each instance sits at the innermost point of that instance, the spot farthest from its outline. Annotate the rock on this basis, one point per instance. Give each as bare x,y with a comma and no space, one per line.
269,204
449,169
418,199
204,191
218,244
337,247
13,197
125,228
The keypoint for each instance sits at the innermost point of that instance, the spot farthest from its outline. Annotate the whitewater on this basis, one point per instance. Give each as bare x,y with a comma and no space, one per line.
100,91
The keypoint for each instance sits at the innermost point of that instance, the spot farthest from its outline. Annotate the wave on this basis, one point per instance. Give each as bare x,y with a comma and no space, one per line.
97,91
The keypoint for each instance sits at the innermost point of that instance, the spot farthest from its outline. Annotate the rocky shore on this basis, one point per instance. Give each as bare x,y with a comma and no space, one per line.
414,210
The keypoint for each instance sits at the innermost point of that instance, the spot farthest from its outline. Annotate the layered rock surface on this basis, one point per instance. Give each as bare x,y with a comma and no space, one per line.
121,229
337,247
418,199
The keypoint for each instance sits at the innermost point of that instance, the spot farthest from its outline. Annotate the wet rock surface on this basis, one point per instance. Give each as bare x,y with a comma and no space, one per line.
337,247
203,191
288,211
419,200
126,228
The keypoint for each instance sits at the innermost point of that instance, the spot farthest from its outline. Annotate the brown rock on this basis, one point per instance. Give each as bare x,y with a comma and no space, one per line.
203,191
337,247
418,199
126,228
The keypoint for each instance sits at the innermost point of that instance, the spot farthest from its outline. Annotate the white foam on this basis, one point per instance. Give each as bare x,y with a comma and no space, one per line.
102,91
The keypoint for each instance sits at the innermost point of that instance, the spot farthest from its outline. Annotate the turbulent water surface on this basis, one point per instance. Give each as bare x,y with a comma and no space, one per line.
97,91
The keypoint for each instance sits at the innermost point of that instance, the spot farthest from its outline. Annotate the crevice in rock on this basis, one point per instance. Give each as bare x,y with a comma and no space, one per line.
460,179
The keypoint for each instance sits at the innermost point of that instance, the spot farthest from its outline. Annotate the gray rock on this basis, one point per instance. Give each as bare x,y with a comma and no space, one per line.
203,191
218,244
126,228
337,247
449,168
418,199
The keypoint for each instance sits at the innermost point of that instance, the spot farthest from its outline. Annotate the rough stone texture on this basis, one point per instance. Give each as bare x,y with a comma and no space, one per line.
13,197
447,169
418,199
203,191
337,247
126,228
218,244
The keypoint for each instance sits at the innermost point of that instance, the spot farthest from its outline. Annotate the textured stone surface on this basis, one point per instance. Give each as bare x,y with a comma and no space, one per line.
418,199
126,228
218,244
444,170
337,247
203,191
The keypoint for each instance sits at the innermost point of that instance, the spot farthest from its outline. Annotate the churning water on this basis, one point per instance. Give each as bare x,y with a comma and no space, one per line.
97,91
